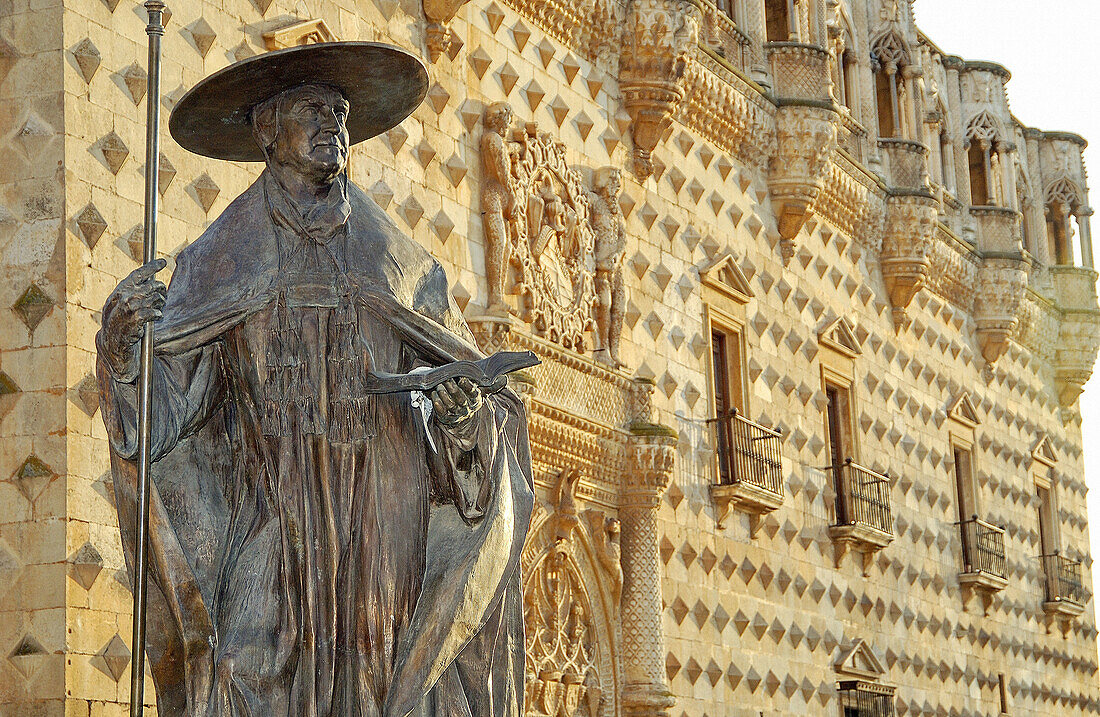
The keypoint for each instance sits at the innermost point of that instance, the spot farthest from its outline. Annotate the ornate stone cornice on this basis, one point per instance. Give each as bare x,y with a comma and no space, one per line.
725,109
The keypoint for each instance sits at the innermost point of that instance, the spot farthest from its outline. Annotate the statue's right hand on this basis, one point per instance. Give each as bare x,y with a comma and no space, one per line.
137,299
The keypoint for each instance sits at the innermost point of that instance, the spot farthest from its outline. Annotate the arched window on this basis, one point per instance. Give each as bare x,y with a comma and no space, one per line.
729,7
777,20
1063,203
890,56
977,156
984,161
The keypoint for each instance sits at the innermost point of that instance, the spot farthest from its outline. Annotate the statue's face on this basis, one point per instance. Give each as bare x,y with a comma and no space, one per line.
312,137
614,184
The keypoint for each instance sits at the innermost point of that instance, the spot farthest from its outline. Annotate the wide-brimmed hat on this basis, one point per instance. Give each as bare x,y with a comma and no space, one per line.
382,83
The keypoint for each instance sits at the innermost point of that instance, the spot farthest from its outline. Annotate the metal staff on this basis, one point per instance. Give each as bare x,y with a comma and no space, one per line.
155,30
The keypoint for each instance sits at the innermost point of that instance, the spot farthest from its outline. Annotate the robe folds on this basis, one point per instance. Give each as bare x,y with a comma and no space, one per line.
313,550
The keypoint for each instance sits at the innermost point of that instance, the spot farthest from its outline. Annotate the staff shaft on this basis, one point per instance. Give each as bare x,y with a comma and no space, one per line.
155,30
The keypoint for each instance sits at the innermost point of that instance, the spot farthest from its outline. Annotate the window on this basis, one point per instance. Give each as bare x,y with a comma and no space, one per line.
886,96
964,484
777,20
838,436
1048,535
1002,690
727,362
890,58
978,159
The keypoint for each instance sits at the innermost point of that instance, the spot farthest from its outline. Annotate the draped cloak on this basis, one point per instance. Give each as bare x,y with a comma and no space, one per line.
273,590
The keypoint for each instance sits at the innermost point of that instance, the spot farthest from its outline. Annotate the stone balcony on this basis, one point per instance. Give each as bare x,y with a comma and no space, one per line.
998,229
905,164
806,134
864,519
1079,335
1002,278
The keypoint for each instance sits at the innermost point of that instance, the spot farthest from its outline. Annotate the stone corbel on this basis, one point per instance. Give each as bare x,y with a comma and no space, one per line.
1002,279
658,36
807,138
1002,285
806,135
1079,333
906,248
437,34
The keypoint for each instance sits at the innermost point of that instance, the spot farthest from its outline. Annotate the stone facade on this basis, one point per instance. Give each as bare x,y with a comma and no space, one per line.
892,267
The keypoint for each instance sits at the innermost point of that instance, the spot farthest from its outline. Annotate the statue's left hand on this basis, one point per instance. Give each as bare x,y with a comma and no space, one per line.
455,402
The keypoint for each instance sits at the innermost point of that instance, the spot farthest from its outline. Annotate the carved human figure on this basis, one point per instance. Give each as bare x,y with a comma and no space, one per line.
609,228
317,549
498,202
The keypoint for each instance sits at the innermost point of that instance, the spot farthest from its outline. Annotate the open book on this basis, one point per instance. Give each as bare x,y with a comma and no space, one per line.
490,374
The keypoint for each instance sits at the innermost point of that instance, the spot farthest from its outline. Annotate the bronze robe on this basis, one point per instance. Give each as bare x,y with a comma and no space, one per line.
312,552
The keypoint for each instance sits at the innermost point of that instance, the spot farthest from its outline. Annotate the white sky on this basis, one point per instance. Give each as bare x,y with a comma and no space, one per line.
1052,49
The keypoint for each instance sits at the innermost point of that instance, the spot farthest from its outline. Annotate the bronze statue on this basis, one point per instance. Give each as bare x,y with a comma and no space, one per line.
317,548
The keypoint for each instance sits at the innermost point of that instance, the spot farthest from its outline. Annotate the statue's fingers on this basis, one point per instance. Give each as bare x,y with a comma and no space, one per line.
145,271
444,398
456,394
147,313
473,393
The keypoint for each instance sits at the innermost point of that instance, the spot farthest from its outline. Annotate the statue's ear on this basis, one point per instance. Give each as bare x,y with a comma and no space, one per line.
265,124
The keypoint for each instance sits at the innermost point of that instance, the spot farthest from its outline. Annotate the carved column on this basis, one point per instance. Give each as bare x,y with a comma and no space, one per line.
757,31
658,37
652,450
1083,227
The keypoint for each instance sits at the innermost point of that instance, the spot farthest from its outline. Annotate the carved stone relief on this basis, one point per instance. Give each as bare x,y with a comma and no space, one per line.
572,583
807,138
907,248
539,238
609,228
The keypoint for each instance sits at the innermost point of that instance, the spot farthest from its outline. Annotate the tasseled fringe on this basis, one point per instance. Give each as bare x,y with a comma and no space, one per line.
349,418
289,406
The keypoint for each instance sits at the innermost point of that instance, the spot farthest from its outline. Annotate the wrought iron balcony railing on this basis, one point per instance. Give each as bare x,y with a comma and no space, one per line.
983,548
1063,579
866,699
863,497
748,453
